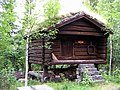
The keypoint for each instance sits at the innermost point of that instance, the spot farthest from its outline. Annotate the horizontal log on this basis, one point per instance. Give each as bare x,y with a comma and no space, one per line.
79,28
36,40
82,23
81,33
102,40
102,51
35,62
101,47
81,53
77,57
55,46
80,46
80,49
56,43
35,59
97,61
103,56
39,55
36,44
57,53
102,44
47,51
35,48
35,52
56,49
39,59
35,55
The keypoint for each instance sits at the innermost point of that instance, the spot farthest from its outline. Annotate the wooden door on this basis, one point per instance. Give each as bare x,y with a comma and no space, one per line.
67,47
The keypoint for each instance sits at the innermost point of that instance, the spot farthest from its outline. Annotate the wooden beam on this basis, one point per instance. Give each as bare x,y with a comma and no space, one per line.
54,57
81,33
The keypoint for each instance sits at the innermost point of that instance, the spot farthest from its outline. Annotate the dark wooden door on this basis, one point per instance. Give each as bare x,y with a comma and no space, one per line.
67,47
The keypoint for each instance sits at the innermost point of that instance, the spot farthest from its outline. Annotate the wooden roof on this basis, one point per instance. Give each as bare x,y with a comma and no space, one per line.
71,17
76,16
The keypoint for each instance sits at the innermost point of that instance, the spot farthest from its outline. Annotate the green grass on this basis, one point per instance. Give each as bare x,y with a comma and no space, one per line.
68,85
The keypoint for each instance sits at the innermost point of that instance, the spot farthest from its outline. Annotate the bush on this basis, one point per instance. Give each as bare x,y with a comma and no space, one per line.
7,78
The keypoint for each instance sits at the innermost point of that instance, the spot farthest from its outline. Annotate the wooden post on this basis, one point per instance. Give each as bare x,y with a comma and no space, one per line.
110,64
29,67
45,67
45,71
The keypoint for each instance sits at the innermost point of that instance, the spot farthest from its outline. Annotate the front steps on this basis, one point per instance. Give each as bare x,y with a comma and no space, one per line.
92,73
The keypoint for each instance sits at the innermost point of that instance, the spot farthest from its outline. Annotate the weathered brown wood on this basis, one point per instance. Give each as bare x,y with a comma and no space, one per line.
100,61
56,49
80,49
35,48
72,44
77,58
81,53
36,44
81,46
103,56
82,23
54,57
38,55
101,47
79,28
35,59
81,33
101,51
39,51
102,44
36,41
39,59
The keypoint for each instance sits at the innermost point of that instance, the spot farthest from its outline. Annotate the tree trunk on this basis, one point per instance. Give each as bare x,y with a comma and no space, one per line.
110,64
26,72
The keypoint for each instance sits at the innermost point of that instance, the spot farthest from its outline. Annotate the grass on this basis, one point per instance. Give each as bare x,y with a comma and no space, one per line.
68,85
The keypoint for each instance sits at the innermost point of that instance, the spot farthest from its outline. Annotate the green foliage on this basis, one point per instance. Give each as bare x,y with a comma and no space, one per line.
51,10
7,78
7,26
115,78
86,80
111,13
46,29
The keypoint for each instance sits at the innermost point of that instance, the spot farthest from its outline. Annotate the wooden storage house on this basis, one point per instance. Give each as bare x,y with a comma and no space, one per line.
81,39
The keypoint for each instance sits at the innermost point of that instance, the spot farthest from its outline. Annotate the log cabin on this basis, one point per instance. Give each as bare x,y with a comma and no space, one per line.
81,39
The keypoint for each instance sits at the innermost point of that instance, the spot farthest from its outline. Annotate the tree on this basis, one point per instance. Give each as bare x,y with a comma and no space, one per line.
111,13
7,26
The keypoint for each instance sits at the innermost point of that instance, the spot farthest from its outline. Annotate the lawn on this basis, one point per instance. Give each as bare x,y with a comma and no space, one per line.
68,85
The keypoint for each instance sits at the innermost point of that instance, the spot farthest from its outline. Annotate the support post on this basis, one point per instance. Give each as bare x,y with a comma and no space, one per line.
45,67
29,67
45,71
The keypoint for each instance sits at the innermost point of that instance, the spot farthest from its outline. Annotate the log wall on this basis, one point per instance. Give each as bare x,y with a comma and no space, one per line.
35,53
80,51
77,41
